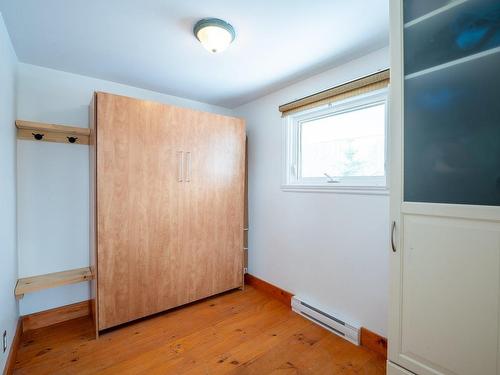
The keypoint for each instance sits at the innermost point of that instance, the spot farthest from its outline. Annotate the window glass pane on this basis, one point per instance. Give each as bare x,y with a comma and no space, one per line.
345,144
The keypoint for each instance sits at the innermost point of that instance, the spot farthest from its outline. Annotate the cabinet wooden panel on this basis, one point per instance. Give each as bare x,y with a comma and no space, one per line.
213,202
93,212
169,206
450,288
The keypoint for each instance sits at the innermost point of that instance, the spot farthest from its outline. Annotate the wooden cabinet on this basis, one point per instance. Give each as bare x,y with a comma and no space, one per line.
169,201
445,190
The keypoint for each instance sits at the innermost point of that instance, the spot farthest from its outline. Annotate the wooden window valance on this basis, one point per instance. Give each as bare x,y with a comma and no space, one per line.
359,86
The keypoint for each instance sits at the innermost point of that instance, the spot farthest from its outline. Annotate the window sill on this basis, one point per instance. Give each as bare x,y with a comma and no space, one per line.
355,190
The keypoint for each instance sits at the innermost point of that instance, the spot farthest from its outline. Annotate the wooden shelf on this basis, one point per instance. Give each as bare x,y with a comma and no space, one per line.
52,132
51,280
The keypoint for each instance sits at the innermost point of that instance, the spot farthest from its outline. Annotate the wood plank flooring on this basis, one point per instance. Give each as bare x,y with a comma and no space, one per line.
240,332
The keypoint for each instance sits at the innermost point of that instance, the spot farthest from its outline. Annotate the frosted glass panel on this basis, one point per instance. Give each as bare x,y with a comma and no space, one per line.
451,102
417,8
452,134
462,30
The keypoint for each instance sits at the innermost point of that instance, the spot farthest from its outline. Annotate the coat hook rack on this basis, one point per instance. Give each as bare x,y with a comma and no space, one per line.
38,131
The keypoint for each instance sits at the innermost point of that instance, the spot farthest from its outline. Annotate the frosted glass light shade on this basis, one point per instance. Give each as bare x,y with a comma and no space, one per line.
214,34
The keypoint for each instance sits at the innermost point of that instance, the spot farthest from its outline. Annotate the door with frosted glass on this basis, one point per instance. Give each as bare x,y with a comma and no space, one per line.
445,188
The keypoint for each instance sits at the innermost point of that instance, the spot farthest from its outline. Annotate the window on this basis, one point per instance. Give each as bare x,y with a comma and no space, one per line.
340,146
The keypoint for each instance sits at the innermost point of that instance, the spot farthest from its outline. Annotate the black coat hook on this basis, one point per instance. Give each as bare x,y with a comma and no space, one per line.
38,136
72,139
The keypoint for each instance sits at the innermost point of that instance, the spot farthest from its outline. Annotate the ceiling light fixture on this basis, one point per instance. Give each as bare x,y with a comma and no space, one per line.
214,34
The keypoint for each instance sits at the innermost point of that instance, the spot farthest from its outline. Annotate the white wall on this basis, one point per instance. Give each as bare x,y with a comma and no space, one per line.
8,253
330,249
53,182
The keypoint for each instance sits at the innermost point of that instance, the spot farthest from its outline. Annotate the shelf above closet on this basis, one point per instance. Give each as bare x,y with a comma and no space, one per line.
37,131
51,280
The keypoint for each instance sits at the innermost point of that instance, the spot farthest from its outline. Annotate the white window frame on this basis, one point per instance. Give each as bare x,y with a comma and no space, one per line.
291,149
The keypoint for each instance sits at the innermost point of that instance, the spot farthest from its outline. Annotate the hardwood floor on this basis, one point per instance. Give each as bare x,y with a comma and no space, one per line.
241,332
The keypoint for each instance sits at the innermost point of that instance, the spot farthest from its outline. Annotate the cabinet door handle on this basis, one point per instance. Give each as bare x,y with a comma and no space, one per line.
188,166
392,236
180,165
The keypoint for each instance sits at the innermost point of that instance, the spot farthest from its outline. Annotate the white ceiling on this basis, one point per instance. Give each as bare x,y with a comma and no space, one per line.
149,43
